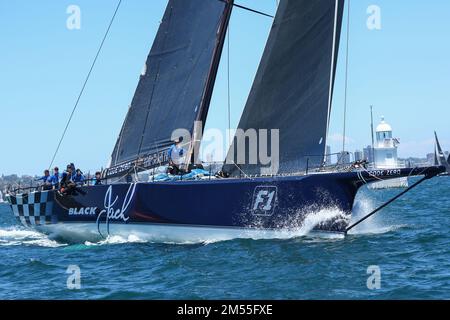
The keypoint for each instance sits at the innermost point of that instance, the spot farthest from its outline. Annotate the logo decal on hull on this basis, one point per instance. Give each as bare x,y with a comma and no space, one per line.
83,211
264,201
110,212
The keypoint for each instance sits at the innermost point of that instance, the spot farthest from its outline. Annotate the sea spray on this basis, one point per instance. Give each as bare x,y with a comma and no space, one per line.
377,224
17,236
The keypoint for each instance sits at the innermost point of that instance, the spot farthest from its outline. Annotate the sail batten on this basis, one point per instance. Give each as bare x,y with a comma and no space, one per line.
180,70
293,88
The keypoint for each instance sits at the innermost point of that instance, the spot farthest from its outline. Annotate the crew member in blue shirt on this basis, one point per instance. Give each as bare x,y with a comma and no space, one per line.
46,180
78,178
54,179
176,154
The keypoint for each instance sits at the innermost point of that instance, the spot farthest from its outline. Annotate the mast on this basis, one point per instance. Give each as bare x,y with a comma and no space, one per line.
332,74
346,77
176,90
212,76
292,91
371,131
206,100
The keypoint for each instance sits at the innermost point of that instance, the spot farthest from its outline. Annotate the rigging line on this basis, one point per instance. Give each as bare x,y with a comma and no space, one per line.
346,77
250,9
85,83
229,85
239,168
254,11
427,177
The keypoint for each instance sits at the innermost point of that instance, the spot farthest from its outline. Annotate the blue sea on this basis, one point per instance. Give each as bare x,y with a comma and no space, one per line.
402,253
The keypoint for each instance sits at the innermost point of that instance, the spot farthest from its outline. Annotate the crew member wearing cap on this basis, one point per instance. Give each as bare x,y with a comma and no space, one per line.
67,184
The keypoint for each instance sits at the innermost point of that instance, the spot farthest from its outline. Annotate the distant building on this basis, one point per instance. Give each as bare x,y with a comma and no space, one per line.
416,162
328,156
368,154
358,155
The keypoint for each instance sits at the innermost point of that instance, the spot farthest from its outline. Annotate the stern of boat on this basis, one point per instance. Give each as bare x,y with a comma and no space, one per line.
32,209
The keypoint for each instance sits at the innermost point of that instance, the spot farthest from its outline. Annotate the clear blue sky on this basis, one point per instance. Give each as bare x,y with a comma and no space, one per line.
402,69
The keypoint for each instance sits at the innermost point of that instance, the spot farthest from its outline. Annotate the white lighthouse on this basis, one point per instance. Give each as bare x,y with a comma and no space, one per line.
385,147
385,151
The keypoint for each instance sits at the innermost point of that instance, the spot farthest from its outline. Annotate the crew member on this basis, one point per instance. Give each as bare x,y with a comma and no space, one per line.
67,185
46,181
55,178
78,178
176,155
98,178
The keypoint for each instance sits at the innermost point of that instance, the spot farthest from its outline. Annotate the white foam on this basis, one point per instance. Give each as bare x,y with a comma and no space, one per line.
364,204
296,226
16,233
314,219
16,236
111,240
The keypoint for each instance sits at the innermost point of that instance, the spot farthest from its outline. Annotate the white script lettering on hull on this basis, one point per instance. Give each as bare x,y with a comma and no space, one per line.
116,214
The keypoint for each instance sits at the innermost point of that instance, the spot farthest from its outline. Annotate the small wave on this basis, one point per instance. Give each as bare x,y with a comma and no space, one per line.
376,229
113,240
15,236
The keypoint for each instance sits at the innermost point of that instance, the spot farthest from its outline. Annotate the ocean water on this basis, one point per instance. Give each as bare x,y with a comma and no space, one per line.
408,243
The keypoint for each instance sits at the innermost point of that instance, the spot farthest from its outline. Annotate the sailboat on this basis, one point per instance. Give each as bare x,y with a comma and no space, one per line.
1,197
439,156
292,94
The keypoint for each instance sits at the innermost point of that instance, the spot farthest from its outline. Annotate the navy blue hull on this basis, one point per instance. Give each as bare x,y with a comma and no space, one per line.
266,203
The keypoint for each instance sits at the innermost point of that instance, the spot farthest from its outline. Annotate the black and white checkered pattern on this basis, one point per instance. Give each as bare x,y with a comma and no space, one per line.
32,209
